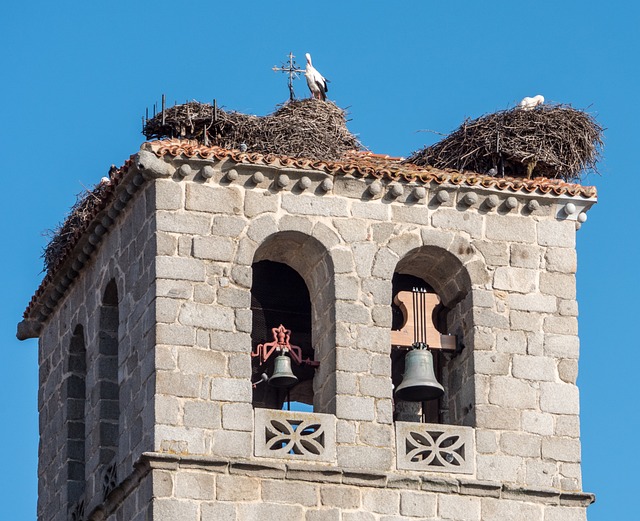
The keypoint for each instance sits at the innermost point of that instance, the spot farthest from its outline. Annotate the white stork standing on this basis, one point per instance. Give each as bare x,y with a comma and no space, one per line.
530,103
315,80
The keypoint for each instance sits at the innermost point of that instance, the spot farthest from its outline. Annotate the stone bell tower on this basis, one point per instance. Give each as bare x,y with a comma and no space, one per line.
157,351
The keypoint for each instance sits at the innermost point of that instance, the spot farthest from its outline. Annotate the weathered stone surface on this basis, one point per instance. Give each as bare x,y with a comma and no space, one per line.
520,229
519,280
417,504
535,368
557,233
212,199
559,398
459,508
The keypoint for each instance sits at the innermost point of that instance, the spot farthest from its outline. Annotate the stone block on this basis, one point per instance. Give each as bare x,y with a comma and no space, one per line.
203,414
214,199
183,222
358,516
194,485
374,212
561,449
201,361
511,342
520,444
376,435
537,423
559,398
166,244
234,297
417,504
178,384
526,321
494,253
568,425
562,346
498,417
532,302
169,195
508,392
170,509
314,205
376,386
404,243
341,497
562,260
495,467
373,339
415,213
232,444
384,264
324,514
568,308
568,370
561,285
352,230
206,316
237,417
489,318
503,509
367,458
553,513
510,228
458,508
540,473
262,227
525,256
352,312
490,363
381,501
257,202
342,262
228,225
457,220
518,280
486,441
561,325
180,268
167,409
162,483
557,233
355,408
218,511
289,492
537,368
231,342
214,248
363,254
231,390
263,511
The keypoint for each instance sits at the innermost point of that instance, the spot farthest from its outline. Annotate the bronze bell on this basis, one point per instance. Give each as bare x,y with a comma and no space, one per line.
282,374
419,382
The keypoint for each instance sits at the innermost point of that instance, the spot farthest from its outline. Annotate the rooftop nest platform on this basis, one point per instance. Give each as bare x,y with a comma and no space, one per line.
307,128
554,141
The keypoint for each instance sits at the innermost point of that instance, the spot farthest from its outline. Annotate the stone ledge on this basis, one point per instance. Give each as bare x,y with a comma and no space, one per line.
327,473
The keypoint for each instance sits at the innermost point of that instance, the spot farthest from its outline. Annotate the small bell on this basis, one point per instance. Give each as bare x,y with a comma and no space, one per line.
419,382
282,374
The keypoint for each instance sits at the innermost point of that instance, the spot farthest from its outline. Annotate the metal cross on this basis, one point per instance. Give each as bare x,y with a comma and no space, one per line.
292,70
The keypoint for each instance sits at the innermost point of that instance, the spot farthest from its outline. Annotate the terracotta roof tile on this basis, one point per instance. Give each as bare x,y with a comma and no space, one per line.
368,164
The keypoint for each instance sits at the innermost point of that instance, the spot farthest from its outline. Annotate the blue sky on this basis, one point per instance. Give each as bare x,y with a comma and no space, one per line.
77,77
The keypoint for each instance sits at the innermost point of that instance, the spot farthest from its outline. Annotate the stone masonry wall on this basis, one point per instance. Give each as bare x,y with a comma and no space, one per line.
181,255
517,321
126,255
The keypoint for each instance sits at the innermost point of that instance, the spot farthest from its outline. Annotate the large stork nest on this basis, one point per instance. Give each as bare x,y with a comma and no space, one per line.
88,203
555,141
306,128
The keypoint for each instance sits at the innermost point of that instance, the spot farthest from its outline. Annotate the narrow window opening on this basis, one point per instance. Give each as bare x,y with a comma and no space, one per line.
75,420
108,386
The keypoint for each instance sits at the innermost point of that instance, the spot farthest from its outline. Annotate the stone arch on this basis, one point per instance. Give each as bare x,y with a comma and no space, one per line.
444,269
312,261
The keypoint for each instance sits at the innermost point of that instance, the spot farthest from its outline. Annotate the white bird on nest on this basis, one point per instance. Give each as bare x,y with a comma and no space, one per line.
530,103
316,81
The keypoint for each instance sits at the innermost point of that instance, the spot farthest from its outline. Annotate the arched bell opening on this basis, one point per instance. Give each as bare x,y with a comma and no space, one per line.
279,296
293,286
433,282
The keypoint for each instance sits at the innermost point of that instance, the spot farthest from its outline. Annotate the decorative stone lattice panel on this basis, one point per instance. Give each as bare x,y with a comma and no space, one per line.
435,447
295,435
